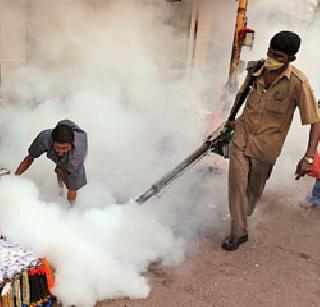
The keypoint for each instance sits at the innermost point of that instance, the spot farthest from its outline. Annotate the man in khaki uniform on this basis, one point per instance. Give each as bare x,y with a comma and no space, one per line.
278,88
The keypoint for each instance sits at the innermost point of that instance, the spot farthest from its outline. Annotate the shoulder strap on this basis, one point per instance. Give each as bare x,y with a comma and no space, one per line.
236,107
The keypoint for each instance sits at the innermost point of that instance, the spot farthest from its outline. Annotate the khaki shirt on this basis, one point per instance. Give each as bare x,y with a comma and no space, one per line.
264,124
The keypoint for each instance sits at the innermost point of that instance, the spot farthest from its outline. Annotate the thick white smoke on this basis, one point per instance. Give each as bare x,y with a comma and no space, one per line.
116,69
97,253
109,77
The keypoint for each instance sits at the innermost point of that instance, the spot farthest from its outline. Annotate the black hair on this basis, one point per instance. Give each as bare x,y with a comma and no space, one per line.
287,42
62,134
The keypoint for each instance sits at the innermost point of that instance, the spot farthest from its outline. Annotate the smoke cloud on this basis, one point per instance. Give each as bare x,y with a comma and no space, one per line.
117,68
96,252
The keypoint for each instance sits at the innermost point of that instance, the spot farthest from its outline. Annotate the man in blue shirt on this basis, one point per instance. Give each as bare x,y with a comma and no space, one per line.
67,146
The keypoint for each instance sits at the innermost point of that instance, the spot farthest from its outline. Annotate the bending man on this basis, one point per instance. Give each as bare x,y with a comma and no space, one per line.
67,146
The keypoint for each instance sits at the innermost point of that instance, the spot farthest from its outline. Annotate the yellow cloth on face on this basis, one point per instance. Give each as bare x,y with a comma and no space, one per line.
272,64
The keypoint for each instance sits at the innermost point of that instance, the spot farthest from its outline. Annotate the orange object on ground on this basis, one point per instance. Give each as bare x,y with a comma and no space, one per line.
44,269
39,270
315,167
49,274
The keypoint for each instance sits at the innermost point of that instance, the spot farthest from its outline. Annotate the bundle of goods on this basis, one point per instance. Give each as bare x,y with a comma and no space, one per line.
25,279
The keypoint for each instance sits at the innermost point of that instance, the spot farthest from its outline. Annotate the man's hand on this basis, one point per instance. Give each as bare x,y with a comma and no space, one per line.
24,165
302,168
231,124
71,196
61,175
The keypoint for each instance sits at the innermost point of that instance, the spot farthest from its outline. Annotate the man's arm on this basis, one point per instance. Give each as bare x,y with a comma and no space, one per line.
76,177
71,196
36,149
24,165
314,137
64,177
309,114
303,166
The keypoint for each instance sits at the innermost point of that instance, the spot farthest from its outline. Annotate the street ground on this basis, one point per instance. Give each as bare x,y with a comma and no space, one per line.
278,266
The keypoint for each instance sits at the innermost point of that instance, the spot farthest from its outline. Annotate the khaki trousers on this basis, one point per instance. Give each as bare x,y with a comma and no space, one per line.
247,179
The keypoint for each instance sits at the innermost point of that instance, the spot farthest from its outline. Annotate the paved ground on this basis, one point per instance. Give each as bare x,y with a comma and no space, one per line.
279,266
